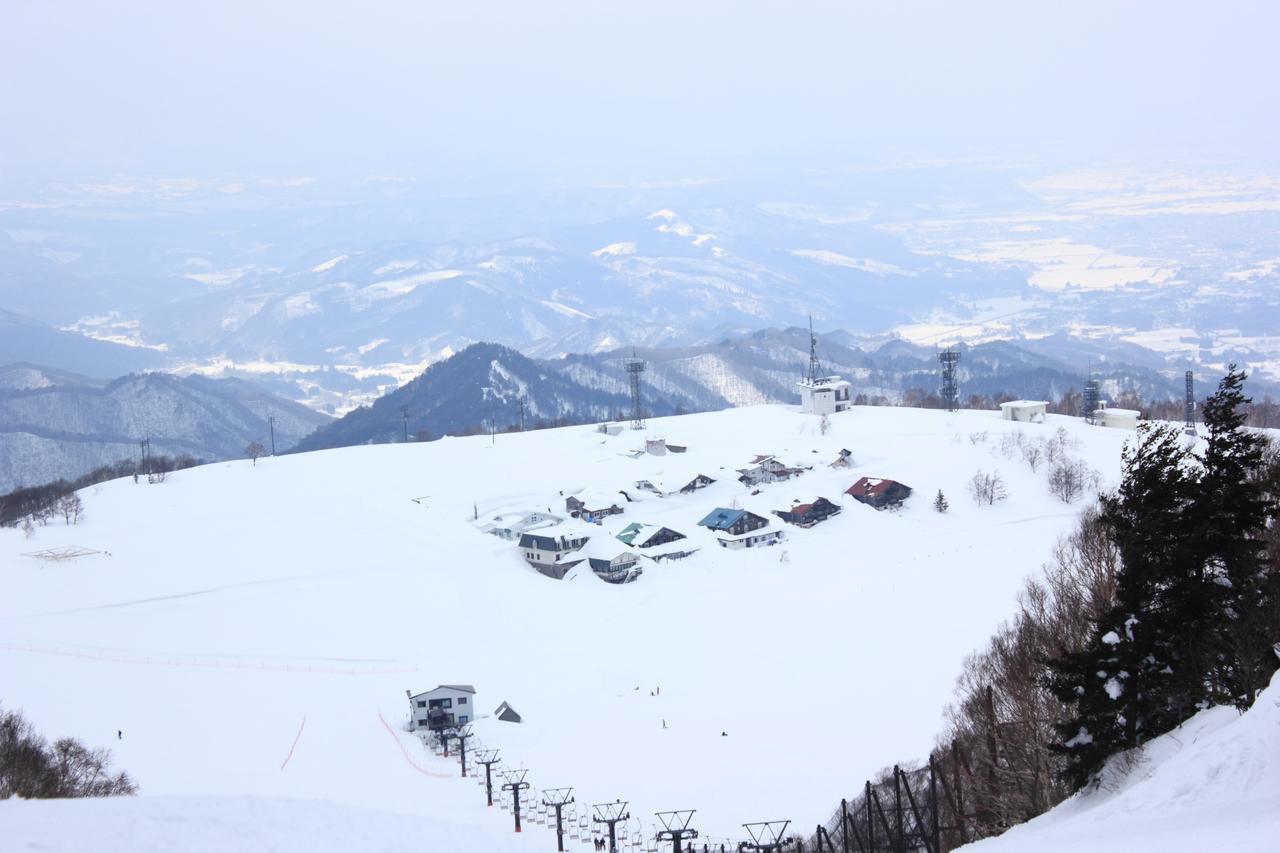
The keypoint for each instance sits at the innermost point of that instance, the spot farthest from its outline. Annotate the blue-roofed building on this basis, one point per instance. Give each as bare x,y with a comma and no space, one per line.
734,522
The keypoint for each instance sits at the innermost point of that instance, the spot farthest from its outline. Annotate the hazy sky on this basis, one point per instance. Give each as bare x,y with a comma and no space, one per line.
621,89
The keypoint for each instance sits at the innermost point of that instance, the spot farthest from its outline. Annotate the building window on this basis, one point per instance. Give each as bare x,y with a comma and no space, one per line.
422,703
462,700
422,722
462,721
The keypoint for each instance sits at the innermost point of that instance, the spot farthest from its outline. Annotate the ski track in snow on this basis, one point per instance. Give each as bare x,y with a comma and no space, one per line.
177,595
294,745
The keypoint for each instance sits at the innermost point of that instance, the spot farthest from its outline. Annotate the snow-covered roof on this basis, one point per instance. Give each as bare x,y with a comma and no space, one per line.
637,532
1023,404
721,518
823,383
456,688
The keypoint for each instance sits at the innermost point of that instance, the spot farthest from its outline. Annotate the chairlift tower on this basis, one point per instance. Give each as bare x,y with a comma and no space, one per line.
611,814
558,798
949,358
515,783
675,828
767,837
488,758
635,367
462,734
1190,428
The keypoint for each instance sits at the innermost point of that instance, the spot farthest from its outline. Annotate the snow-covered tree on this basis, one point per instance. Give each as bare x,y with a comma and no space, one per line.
1233,512
1136,677
940,502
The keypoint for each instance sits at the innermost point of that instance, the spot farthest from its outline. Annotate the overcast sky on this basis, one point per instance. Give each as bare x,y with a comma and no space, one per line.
621,89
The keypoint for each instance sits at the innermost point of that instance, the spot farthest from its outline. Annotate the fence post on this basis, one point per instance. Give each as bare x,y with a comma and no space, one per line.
897,808
921,827
844,826
871,825
959,792
933,805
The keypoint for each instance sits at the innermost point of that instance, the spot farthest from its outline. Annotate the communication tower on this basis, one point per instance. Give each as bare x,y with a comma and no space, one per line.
635,367
1092,400
1190,428
949,358
815,368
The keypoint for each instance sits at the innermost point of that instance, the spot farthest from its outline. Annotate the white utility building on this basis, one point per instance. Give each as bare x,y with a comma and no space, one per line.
824,395
1031,411
1116,418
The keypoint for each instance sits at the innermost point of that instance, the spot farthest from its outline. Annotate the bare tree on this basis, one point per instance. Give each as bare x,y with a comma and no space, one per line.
31,768
824,424
71,508
255,450
1033,454
986,488
1069,478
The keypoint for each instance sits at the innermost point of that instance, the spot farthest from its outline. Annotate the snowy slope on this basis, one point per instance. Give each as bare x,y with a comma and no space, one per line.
1212,784
221,824
241,605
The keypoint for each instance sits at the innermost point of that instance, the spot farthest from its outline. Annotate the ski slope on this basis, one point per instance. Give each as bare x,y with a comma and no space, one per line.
252,630
1211,784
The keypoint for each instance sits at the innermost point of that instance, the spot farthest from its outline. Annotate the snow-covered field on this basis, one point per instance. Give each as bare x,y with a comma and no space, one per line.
252,630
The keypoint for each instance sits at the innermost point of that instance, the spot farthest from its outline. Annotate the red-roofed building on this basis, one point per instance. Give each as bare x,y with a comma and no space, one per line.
807,515
878,492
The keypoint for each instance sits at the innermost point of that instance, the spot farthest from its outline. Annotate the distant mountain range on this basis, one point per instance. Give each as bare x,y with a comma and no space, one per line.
57,424
334,293
485,384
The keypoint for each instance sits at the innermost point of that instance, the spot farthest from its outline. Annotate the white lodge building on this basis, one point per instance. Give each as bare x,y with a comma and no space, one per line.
445,706
824,395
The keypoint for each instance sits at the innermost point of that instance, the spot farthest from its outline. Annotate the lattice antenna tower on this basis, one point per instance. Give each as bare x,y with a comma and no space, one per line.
635,367
949,358
1092,398
1190,428
815,369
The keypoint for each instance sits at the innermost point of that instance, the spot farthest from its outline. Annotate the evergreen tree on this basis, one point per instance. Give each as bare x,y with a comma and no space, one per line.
1132,681
1233,510
940,502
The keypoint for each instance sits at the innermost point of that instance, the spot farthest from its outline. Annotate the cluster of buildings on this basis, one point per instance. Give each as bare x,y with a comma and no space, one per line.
1035,411
596,528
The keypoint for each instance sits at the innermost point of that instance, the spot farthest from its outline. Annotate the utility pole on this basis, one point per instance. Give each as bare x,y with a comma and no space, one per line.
462,734
521,401
558,798
145,445
488,757
611,814
404,416
675,828
766,837
271,425
515,783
